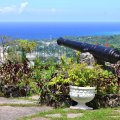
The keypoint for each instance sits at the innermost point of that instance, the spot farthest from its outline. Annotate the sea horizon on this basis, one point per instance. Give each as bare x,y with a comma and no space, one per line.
51,30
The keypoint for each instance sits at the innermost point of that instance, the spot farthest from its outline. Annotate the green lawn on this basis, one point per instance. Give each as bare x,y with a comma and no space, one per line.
99,114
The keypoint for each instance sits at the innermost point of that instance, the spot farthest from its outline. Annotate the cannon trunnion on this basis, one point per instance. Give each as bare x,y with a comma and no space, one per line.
101,53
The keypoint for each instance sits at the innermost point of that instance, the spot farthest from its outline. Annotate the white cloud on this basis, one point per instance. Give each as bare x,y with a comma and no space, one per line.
23,6
14,8
8,9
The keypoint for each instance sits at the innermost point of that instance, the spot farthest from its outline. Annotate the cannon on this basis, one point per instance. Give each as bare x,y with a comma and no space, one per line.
101,53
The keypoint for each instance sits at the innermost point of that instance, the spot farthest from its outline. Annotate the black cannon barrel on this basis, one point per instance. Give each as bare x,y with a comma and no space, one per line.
101,53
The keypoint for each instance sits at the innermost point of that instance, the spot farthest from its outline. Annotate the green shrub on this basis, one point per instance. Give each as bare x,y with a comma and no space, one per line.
17,75
81,75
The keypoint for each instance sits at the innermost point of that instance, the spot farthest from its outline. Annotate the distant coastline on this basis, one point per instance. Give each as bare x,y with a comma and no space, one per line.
45,30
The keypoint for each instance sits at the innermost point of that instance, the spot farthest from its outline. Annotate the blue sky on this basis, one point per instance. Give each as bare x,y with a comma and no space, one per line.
60,10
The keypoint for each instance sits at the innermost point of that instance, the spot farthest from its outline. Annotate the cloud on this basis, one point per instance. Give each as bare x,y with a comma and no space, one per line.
7,9
14,8
23,6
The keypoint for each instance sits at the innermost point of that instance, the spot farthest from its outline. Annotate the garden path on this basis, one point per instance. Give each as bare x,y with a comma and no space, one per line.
8,112
12,109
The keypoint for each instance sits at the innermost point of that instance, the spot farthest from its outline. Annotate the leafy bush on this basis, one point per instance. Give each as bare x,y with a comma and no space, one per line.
42,74
57,90
106,82
16,74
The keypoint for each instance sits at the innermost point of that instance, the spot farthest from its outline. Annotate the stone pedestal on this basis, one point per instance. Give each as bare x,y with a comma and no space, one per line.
87,58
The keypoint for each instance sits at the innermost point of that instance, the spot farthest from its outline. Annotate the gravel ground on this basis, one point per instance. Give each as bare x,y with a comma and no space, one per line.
13,113
16,101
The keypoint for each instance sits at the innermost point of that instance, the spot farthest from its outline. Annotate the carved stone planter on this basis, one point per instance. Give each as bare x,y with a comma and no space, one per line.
82,95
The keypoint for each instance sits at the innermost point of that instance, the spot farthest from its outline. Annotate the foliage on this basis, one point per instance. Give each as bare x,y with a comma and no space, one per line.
42,74
26,45
82,75
17,75
75,74
16,49
55,85
78,56
106,82
12,72
13,55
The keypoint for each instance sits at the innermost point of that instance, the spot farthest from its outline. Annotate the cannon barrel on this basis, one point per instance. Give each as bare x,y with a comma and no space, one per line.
101,53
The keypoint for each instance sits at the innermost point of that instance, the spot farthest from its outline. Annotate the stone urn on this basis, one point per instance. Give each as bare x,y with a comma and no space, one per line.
31,57
82,95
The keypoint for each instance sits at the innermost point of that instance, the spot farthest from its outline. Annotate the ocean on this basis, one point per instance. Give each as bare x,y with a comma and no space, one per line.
41,30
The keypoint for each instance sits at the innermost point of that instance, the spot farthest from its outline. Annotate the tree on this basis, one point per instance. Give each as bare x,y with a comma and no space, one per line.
26,47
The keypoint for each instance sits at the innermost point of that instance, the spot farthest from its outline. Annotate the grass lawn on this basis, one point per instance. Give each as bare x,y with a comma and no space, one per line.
99,114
